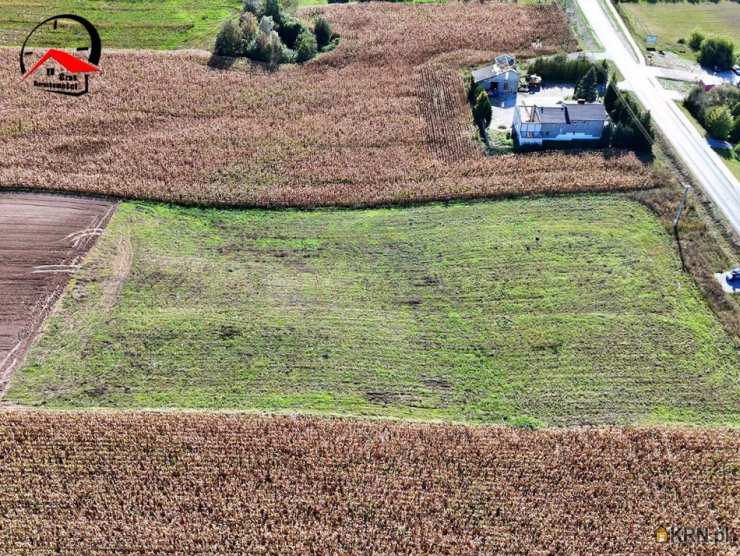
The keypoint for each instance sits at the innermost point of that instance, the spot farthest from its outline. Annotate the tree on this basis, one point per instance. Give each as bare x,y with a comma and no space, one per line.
720,122
482,110
735,135
696,103
273,10
229,39
268,48
474,89
717,52
255,7
586,87
695,39
610,97
267,25
276,50
307,46
249,29
289,30
323,32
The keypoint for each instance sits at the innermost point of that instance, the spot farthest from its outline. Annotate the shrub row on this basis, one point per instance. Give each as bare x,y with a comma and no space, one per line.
560,68
718,110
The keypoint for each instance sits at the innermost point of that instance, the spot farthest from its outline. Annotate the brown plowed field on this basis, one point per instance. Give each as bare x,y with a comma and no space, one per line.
120,483
40,242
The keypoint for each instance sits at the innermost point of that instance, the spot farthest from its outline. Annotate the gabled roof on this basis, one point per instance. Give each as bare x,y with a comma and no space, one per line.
482,74
543,114
563,113
71,63
586,112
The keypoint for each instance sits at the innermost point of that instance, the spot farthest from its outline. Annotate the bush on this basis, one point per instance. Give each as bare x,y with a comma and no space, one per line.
289,30
323,31
695,39
720,122
697,102
268,48
229,39
307,46
717,52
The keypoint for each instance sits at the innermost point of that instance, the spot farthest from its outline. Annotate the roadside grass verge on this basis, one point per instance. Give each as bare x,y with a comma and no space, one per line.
728,156
544,311
150,24
731,161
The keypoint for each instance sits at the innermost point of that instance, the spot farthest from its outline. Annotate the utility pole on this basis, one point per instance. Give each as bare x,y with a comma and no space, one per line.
676,221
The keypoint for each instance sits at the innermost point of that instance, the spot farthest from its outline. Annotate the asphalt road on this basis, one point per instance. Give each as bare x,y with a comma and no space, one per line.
706,166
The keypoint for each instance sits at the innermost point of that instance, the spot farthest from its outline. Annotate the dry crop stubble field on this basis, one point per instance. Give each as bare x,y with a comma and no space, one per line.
185,484
357,126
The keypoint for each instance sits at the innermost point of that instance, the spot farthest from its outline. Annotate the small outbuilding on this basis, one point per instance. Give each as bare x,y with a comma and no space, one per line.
500,78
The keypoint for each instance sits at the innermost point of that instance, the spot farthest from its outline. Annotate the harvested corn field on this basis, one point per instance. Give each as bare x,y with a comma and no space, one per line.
183,483
169,127
44,238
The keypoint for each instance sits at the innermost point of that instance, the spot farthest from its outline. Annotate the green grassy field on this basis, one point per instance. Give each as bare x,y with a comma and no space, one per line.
673,21
553,311
160,24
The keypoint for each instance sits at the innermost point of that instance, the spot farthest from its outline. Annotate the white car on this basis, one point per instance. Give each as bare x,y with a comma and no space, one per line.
736,69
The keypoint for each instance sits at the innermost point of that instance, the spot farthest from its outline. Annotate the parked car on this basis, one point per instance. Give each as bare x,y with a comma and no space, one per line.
733,278
736,69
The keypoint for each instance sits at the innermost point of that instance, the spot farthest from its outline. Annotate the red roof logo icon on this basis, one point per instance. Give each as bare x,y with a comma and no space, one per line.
71,63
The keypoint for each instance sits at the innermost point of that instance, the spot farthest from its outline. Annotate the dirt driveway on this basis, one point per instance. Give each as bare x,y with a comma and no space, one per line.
42,239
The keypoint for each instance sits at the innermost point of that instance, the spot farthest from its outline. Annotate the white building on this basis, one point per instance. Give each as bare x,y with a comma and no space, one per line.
565,121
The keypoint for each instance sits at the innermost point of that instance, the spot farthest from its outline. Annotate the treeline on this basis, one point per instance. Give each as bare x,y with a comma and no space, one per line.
631,127
267,32
560,69
718,111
